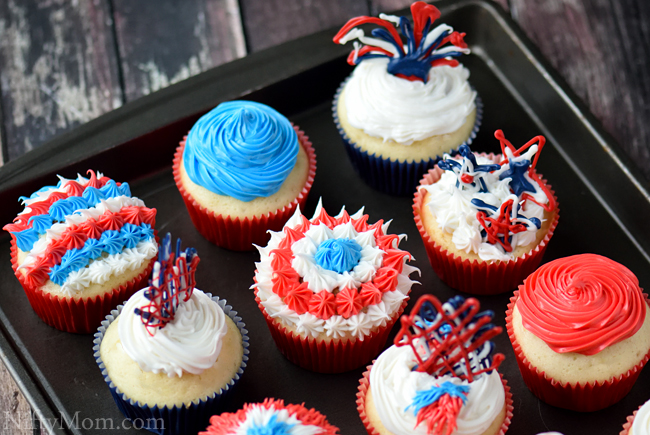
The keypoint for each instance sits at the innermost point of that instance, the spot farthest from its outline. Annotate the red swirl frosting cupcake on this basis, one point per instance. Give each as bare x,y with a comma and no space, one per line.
331,288
580,331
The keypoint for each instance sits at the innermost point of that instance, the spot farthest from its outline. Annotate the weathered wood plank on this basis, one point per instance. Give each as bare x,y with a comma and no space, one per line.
272,22
162,42
602,49
57,68
15,416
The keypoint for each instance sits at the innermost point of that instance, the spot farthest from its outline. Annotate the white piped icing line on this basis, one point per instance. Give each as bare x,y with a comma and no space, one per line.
641,423
394,386
296,289
190,343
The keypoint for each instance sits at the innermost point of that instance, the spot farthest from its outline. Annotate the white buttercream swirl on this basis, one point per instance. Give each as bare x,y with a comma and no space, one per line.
190,343
259,416
394,385
358,325
641,423
404,111
455,214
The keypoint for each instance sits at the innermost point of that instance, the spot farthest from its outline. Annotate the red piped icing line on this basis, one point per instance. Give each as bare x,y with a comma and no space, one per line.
347,302
72,188
583,304
75,237
228,422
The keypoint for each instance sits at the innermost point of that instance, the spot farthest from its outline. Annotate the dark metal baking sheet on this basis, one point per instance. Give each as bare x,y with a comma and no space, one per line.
603,204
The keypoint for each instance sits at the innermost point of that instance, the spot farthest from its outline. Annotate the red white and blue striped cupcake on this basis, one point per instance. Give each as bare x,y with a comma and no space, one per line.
80,248
273,417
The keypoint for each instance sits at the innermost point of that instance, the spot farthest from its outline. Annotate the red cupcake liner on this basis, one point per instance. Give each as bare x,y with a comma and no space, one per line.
580,397
237,234
83,315
478,277
336,356
363,392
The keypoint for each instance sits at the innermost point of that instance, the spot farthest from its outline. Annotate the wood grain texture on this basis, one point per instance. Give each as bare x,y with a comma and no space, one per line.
165,41
15,413
57,68
272,22
602,49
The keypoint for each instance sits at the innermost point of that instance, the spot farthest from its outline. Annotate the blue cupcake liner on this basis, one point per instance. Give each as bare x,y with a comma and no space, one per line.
187,419
388,176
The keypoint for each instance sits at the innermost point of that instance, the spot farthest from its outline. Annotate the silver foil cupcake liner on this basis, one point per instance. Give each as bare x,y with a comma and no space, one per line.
187,419
388,176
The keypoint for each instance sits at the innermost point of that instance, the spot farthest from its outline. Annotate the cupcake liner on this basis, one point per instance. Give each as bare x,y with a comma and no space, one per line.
363,392
240,234
336,356
177,420
627,426
83,315
588,397
393,177
478,277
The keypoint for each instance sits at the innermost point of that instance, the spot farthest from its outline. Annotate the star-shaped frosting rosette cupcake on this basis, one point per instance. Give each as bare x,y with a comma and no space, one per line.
81,247
338,282
482,215
440,378
271,417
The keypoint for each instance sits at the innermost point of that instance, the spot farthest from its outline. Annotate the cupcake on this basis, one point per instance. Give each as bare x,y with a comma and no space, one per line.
331,288
485,220
404,105
440,377
639,422
172,353
580,331
80,248
243,169
271,417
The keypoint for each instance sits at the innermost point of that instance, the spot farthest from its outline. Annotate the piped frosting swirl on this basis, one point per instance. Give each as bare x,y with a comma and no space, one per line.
241,149
583,304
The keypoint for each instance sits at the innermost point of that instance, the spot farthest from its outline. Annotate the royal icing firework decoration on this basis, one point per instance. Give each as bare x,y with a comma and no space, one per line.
448,339
425,47
172,281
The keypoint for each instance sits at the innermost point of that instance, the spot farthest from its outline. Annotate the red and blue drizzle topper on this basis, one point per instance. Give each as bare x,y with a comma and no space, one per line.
172,281
448,339
425,47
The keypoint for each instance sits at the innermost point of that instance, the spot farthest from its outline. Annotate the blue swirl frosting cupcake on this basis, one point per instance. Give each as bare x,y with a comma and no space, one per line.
243,169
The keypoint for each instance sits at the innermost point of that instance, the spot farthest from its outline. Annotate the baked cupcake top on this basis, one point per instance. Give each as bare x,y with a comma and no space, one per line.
241,149
583,304
171,327
406,93
440,376
81,232
271,417
337,276
491,206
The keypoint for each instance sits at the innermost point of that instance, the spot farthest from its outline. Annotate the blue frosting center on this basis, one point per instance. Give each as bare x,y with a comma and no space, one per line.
338,255
241,149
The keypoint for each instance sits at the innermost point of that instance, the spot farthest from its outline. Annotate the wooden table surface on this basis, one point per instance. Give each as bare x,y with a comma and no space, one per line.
65,62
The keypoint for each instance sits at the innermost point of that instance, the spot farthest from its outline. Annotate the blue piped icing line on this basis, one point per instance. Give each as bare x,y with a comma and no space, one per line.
241,149
338,255
272,427
63,207
111,242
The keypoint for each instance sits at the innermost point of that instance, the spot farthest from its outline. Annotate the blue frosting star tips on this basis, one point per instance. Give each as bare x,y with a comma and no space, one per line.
338,255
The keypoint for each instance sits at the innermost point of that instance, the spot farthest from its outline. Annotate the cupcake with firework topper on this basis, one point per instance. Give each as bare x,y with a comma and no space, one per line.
440,377
80,248
405,104
331,288
486,220
172,353
271,417
243,169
